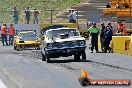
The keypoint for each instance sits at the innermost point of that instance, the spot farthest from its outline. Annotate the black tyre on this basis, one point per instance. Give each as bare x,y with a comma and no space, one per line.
83,55
17,48
47,58
37,48
76,56
43,57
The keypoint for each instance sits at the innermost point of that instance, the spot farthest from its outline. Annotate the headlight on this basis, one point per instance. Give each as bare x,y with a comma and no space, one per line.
49,45
20,38
81,43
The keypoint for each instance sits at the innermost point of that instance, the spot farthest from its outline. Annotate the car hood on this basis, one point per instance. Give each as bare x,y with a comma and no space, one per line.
75,38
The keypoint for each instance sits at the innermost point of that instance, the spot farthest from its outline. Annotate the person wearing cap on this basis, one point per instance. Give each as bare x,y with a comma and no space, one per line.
102,36
11,31
4,34
15,15
27,15
94,31
108,5
108,37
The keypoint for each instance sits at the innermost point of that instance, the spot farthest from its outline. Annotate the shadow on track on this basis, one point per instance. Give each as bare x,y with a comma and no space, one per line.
68,61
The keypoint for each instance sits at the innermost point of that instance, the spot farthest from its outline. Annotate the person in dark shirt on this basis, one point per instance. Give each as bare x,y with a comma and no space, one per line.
126,5
102,36
108,37
27,15
15,15
108,5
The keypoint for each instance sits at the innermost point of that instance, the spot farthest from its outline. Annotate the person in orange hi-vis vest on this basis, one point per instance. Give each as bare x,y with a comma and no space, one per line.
4,34
11,31
121,27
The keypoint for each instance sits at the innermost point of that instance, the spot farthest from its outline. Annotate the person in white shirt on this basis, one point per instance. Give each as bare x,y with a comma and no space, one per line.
117,5
72,16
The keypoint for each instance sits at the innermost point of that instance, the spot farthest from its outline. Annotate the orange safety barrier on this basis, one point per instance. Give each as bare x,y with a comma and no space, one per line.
124,13
113,3
106,11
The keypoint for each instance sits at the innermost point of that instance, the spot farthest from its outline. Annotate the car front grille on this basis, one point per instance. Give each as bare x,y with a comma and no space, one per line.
70,44
66,44
21,42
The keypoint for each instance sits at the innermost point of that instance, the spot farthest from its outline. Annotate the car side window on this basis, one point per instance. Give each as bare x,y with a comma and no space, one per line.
49,35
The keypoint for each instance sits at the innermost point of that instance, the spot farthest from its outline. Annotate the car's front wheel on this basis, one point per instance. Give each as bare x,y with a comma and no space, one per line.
47,58
76,56
83,55
43,57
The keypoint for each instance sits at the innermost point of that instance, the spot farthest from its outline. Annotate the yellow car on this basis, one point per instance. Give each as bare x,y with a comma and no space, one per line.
27,39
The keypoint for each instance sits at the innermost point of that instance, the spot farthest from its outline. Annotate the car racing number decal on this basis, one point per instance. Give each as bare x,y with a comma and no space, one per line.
84,34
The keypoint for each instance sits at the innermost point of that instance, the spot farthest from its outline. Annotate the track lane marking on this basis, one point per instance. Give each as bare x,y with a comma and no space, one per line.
2,85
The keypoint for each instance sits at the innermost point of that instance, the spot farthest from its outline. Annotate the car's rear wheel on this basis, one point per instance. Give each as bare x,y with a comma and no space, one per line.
17,48
47,57
37,48
76,56
43,57
83,55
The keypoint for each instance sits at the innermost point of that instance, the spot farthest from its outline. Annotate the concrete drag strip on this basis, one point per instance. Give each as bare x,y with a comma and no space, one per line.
37,54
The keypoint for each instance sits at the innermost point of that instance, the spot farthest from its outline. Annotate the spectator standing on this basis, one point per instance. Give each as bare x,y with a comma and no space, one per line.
15,15
4,34
11,31
35,15
102,36
108,5
27,15
108,37
117,5
94,31
72,16
89,24
126,5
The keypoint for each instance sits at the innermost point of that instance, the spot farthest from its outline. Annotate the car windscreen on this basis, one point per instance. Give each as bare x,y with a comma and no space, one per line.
57,33
28,36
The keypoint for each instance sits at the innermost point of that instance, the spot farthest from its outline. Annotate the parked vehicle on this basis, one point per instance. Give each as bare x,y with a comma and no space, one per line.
27,39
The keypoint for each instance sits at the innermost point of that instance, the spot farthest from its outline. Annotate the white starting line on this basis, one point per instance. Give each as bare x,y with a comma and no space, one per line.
2,85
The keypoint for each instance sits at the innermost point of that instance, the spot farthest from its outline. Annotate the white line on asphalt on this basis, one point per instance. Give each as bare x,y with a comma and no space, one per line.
2,85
